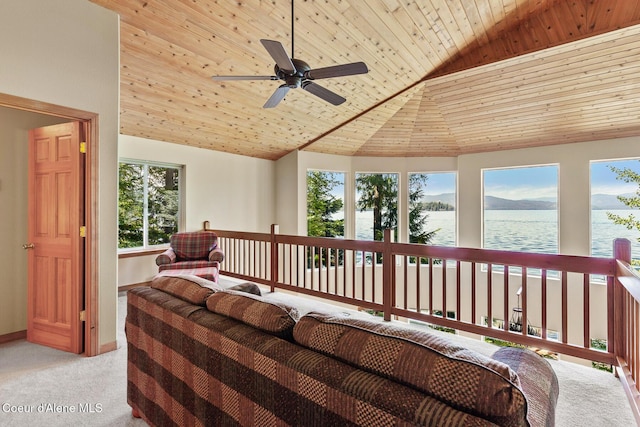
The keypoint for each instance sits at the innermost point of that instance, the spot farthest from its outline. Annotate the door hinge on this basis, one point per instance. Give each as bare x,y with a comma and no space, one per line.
83,231
83,147
83,316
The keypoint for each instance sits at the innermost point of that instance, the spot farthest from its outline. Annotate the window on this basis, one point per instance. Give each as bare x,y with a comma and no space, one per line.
376,204
325,204
149,203
611,187
432,200
520,209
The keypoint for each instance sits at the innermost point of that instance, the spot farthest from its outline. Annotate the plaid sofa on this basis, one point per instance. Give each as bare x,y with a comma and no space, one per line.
225,358
190,251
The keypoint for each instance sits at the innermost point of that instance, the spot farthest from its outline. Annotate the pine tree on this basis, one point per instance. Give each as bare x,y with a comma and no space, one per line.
631,222
322,205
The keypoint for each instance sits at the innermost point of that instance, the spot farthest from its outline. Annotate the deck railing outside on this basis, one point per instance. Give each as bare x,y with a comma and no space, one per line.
561,303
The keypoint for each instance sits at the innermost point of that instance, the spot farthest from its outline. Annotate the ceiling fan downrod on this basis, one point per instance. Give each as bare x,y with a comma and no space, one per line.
292,32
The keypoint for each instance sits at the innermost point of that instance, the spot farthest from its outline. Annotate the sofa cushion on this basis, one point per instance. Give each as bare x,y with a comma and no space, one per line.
460,377
538,379
188,288
275,318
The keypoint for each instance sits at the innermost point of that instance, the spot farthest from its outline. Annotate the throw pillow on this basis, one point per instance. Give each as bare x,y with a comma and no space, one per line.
274,318
248,287
192,289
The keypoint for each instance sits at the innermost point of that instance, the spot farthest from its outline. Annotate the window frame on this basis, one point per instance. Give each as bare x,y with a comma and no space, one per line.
455,206
557,201
181,202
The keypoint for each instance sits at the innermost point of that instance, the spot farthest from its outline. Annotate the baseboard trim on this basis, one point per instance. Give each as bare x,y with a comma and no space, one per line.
110,346
13,336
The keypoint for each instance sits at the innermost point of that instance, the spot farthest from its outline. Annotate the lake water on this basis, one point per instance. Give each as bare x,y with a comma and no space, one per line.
519,230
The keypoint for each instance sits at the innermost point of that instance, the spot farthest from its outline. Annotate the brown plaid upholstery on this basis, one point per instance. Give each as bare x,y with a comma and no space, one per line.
275,318
188,366
460,377
539,381
189,288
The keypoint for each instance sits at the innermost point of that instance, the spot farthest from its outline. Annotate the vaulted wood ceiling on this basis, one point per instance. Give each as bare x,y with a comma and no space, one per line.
445,77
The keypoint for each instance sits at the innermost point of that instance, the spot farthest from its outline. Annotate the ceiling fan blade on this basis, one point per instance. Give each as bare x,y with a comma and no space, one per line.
277,52
277,96
222,78
337,71
323,93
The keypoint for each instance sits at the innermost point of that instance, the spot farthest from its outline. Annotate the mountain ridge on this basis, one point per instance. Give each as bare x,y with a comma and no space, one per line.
598,202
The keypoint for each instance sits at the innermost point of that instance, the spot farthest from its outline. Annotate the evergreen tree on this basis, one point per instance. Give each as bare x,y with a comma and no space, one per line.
417,217
631,222
130,206
379,191
322,205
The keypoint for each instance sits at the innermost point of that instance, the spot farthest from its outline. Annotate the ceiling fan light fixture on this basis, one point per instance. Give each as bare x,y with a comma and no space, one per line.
297,73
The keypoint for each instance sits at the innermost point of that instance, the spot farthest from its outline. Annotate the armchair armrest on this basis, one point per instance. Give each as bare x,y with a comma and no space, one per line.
216,254
166,257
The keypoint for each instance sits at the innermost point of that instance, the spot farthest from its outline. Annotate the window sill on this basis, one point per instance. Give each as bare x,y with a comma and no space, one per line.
140,252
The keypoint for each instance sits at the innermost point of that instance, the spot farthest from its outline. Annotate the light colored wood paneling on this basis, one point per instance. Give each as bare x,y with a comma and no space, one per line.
446,77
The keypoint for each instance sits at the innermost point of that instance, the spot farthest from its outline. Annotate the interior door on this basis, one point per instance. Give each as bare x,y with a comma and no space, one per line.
55,247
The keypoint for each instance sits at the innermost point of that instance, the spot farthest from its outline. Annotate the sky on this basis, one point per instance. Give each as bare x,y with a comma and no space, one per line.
519,183
603,180
542,181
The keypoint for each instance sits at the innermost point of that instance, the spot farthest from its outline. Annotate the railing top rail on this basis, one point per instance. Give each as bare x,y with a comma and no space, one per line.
261,237
570,263
629,278
331,242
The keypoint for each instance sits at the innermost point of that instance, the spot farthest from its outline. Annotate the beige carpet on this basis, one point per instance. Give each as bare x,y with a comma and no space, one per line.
92,391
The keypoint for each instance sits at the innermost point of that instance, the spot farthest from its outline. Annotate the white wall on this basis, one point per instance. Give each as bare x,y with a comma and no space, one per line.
14,144
66,52
232,192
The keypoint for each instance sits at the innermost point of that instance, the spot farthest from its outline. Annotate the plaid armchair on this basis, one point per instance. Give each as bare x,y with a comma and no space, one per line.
190,250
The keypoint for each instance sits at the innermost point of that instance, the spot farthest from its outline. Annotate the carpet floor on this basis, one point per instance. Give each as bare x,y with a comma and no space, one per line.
40,386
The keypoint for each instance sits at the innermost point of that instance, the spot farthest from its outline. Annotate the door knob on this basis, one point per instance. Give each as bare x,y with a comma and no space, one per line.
28,246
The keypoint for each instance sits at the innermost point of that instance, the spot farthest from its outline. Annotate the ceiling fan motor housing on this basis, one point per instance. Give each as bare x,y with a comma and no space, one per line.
293,80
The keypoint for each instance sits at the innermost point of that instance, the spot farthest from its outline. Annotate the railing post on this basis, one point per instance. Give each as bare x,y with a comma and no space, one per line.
274,256
387,269
622,252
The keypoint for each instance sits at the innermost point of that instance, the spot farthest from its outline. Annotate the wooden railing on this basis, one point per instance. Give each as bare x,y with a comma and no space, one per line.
627,324
559,303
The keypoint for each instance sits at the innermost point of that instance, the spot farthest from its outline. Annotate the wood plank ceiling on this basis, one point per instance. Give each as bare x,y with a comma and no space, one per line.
445,77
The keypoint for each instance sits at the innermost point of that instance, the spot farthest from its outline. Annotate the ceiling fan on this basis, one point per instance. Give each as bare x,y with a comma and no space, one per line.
296,73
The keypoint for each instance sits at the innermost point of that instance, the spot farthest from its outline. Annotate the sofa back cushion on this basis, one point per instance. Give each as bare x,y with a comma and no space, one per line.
188,288
462,378
194,245
275,318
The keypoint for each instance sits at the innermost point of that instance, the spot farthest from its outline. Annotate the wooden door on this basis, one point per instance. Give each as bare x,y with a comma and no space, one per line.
55,247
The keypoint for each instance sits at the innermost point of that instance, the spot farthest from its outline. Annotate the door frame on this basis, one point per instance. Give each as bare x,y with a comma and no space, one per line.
91,262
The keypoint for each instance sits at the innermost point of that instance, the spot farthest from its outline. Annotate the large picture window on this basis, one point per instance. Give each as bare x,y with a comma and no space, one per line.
149,203
615,200
432,201
325,204
520,209
376,204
